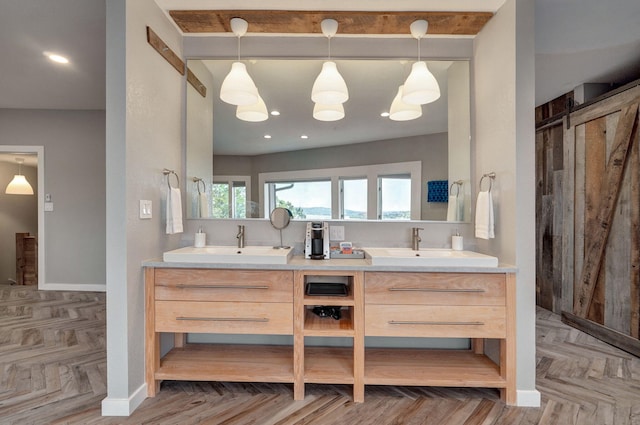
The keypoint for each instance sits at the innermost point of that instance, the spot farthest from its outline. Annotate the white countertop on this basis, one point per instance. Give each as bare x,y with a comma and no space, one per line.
300,263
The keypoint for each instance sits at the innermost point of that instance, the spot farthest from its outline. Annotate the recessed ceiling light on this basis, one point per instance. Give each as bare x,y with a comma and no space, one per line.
56,58
384,114
267,136
304,136
275,113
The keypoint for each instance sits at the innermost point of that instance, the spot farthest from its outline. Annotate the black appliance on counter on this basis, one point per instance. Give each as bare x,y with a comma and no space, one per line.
316,246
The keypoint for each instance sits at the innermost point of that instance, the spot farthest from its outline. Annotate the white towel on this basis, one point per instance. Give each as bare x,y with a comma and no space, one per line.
460,211
484,216
174,211
203,201
452,208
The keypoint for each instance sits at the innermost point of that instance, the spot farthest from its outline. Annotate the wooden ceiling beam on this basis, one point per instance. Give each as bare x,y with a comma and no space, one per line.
308,22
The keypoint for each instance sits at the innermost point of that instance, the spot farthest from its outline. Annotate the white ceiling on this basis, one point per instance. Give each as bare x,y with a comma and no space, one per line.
74,28
577,41
396,5
585,41
30,159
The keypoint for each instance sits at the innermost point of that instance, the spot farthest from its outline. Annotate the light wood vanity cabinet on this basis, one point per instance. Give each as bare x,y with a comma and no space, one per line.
218,301
379,304
443,305
436,305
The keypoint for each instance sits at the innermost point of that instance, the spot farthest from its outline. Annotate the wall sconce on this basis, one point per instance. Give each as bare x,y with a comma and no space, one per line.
19,185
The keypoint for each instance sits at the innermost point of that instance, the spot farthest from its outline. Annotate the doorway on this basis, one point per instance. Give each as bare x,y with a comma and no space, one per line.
15,220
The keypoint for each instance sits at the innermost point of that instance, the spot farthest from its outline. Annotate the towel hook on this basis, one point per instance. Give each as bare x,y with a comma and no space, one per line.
458,184
197,181
491,176
168,173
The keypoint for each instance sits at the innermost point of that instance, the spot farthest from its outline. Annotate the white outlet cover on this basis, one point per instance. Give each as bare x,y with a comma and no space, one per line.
336,233
48,206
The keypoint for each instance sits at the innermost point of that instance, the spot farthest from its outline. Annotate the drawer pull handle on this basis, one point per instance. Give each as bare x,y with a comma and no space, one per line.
222,286
224,319
473,290
411,322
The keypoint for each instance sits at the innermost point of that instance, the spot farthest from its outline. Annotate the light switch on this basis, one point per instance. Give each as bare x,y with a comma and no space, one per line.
145,209
336,233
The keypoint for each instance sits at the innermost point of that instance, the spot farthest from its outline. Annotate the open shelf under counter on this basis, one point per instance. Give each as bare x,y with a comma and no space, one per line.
223,362
328,365
424,367
328,326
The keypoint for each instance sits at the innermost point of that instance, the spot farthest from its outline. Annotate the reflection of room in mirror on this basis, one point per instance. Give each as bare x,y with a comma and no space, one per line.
439,139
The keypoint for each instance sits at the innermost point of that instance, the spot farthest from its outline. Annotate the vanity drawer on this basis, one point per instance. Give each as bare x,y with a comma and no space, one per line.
224,285
435,321
435,288
224,317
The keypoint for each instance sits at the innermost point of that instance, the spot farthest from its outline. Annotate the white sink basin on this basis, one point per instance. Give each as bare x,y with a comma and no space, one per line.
229,254
428,257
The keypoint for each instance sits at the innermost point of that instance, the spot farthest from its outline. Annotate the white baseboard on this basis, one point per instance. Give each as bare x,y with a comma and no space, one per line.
124,406
82,287
528,398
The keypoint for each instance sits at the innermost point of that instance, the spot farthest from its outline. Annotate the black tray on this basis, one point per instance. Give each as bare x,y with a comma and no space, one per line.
327,289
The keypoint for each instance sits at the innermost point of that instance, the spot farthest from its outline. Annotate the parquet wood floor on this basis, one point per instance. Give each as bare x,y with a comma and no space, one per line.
53,371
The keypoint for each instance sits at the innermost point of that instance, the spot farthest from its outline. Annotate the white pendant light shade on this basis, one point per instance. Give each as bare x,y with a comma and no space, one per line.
421,86
256,112
401,111
19,186
238,88
329,87
328,112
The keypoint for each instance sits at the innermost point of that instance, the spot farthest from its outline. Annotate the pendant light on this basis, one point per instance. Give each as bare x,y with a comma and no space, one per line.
421,86
401,111
19,185
255,112
331,112
329,87
238,87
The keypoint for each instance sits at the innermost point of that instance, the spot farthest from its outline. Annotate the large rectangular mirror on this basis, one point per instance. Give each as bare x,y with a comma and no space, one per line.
364,166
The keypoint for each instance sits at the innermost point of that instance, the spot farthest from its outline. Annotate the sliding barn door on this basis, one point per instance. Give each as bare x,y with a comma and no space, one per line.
549,175
601,215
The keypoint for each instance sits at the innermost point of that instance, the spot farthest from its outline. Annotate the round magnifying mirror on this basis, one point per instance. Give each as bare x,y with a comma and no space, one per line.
280,218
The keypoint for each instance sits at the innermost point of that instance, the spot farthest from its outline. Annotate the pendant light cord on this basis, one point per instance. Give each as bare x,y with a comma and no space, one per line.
238,48
329,38
418,39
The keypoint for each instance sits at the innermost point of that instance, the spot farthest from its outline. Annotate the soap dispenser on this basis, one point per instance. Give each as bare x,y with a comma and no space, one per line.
200,239
457,243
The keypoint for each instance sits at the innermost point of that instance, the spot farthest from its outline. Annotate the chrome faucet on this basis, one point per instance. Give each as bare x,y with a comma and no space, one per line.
415,238
240,236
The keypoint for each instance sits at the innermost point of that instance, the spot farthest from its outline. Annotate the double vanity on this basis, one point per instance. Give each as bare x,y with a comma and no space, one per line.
391,293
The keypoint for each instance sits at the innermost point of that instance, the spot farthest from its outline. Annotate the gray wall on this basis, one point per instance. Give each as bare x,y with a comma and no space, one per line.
18,214
505,144
75,177
145,98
